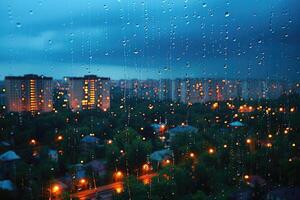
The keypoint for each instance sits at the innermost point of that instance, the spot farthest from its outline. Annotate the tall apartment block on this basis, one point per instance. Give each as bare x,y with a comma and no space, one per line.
29,93
89,92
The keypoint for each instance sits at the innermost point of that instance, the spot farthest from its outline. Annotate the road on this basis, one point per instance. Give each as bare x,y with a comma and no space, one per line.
105,192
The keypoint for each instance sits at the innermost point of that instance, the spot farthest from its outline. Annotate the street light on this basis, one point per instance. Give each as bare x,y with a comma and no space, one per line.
211,151
32,142
192,155
82,181
60,137
118,175
146,167
54,190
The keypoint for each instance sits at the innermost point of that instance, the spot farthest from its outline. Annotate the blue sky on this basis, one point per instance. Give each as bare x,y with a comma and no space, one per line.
151,39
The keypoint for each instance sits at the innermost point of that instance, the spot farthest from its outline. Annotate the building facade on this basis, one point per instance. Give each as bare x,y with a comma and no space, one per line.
29,93
89,92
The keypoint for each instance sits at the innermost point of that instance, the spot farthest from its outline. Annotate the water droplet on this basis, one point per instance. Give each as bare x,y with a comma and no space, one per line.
204,5
19,25
31,12
227,14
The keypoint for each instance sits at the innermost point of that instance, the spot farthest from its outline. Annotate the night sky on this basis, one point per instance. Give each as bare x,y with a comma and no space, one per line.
151,38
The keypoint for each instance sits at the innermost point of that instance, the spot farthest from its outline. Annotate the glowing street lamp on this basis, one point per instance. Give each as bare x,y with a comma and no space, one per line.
192,155
55,188
215,105
118,175
119,189
82,181
246,177
248,141
211,151
60,137
109,142
146,167
32,142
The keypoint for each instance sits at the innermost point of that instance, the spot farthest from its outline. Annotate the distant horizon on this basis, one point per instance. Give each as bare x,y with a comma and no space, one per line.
162,78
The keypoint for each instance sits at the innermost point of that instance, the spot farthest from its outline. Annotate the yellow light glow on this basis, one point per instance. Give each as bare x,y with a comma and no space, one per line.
192,155
119,189
55,188
32,142
82,181
211,151
146,167
246,177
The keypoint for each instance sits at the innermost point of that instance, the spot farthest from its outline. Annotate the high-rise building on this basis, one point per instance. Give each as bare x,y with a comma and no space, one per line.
29,93
89,92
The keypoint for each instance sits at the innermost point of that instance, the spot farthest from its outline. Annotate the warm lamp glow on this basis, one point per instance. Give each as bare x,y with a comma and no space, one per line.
118,175
119,190
55,188
60,137
146,167
82,181
211,151
109,142
32,142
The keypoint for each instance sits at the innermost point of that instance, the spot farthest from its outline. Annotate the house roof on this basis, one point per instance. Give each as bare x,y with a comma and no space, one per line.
161,155
6,185
90,139
236,124
183,129
9,156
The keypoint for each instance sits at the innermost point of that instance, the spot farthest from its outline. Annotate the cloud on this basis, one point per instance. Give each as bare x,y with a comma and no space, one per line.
152,35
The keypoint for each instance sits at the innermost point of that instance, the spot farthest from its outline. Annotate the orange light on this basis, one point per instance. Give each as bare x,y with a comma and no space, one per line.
246,177
192,155
118,175
55,188
60,137
292,109
32,142
162,128
109,142
146,167
211,151
167,162
225,146
82,181
147,181
215,105
269,145
248,141
119,190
